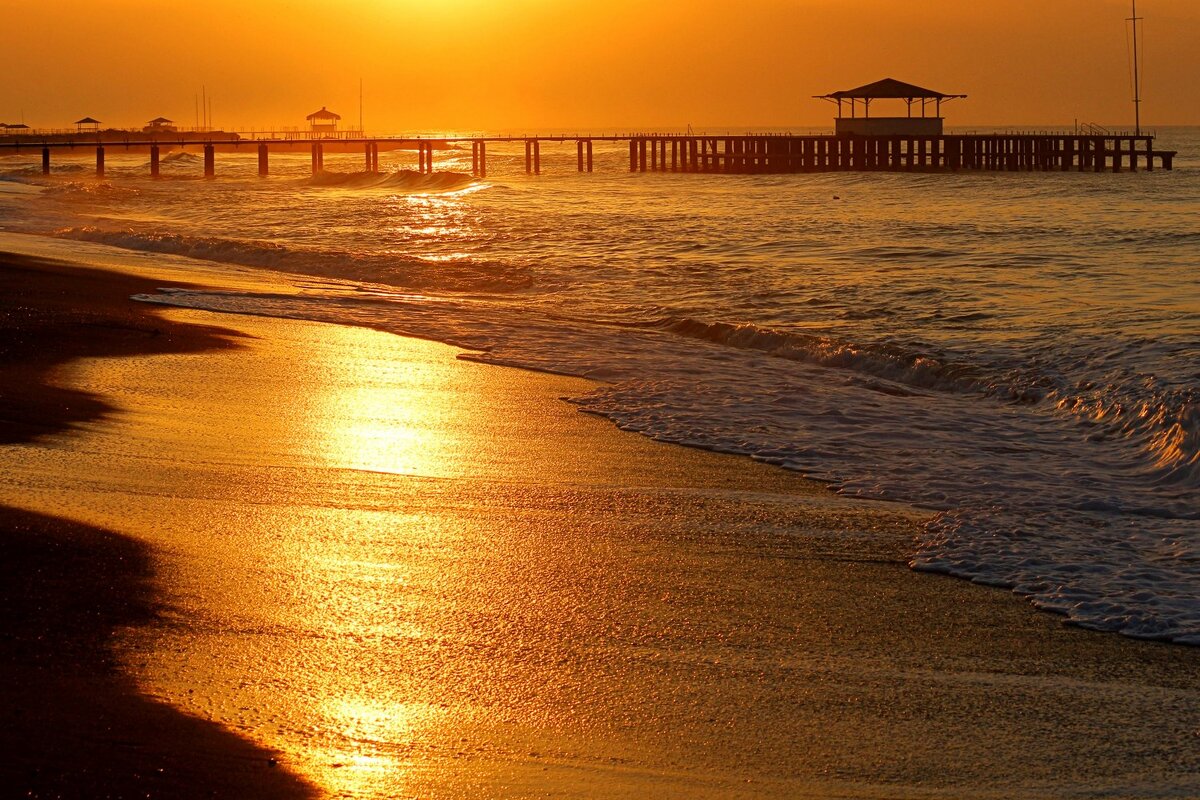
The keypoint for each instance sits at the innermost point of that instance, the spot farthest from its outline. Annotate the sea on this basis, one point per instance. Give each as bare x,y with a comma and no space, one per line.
1018,353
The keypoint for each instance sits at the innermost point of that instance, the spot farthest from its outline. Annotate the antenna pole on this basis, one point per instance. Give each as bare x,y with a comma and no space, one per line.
1137,86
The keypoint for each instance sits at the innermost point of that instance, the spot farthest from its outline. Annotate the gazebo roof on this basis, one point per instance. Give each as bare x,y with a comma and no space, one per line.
160,121
323,114
888,88
87,121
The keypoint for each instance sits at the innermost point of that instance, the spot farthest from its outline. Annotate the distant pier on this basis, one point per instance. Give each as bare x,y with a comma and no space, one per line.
741,155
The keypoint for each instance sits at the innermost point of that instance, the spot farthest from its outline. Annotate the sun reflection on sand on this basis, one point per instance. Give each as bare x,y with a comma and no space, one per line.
361,421
367,758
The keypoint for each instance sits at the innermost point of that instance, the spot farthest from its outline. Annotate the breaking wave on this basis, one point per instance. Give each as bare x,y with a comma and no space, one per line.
402,180
399,271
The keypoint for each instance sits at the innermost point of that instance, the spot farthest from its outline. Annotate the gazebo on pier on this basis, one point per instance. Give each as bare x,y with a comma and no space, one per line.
87,125
323,122
889,89
160,125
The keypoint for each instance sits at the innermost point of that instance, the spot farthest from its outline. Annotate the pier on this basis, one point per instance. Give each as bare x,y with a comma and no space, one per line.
691,153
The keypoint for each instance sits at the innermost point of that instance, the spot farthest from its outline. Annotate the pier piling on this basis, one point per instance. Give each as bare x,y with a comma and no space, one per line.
100,161
154,171
264,165
45,160
210,161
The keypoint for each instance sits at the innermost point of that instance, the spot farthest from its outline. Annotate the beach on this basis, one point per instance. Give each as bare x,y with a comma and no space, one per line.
340,562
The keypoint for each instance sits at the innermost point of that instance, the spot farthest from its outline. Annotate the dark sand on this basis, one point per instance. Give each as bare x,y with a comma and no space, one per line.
72,725
564,609
52,313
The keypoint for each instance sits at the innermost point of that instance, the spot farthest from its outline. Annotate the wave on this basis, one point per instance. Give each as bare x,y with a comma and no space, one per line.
89,190
402,180
180,156
36,171
410,273
890,362
1160,424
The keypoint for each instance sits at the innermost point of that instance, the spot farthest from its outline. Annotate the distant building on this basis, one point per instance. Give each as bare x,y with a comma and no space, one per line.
87,125
323,122
860,99
159,125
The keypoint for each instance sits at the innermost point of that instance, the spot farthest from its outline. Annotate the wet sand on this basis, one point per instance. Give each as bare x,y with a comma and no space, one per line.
417,576
73,723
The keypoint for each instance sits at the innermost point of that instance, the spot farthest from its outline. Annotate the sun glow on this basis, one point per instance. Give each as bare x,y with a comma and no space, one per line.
483,65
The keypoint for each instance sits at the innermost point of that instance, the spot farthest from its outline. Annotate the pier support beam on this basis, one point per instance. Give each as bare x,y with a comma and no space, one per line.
579,155
482,159
528,157
264,164
154,161
45,160
537,157
210,161
100,161
367,158
589,155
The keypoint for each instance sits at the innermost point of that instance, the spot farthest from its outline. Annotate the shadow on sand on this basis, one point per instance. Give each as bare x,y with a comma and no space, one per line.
72,725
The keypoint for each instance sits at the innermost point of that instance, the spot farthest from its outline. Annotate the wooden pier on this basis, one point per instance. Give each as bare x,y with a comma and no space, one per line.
728,154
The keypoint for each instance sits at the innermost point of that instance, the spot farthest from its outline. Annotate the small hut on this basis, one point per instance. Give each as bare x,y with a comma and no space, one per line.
87,125
159,125
860,99
323,121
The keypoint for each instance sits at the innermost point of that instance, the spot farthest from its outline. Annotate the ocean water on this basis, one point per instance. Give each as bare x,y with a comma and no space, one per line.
1018,352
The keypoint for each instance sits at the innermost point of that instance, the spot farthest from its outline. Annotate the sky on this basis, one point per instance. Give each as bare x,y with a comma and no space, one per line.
542,65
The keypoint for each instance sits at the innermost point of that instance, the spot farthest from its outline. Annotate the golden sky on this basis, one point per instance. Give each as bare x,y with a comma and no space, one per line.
432,65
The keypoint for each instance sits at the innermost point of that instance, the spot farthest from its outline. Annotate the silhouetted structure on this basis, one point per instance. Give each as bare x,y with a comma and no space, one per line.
87,125
323,122
159,125
889,89
743,154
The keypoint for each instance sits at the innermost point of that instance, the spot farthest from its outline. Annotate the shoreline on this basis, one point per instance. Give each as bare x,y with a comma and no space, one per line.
75,725
757,664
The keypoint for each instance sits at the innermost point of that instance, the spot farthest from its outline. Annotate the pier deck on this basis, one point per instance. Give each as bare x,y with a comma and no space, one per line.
728,154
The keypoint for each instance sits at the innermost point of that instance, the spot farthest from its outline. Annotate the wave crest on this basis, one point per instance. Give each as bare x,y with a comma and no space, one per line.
403,180
409,273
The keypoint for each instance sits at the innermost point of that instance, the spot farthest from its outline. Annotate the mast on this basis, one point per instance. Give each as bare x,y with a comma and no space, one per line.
1137,84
